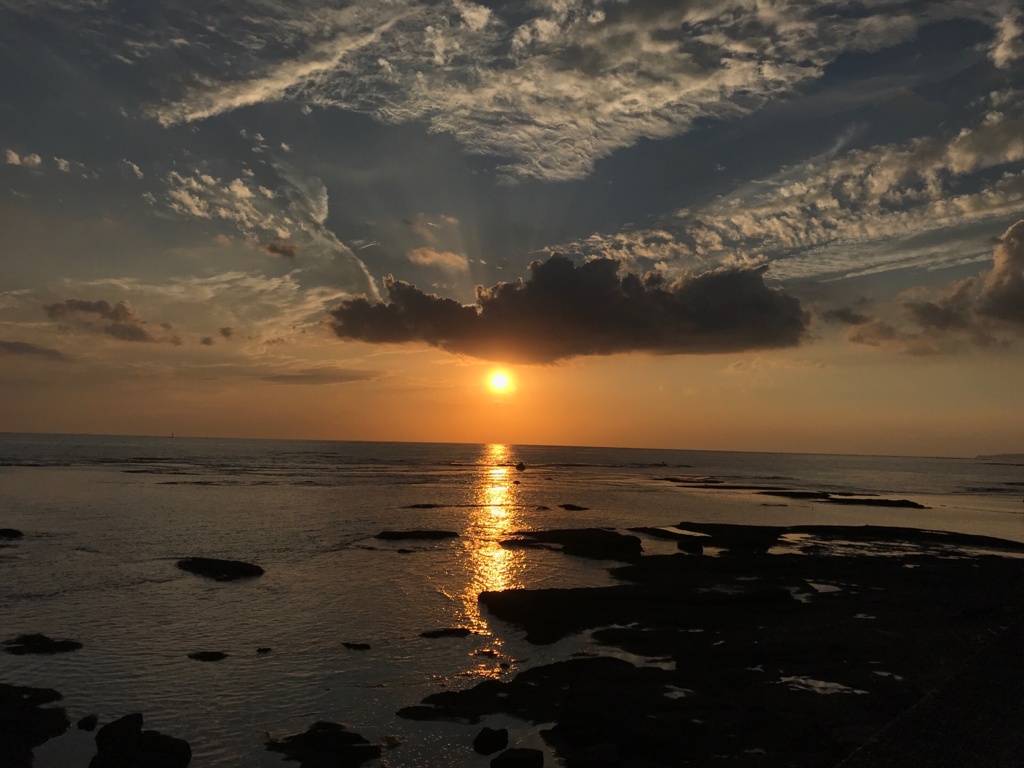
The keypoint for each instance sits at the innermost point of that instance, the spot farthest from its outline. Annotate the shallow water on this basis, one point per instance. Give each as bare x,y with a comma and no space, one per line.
105,519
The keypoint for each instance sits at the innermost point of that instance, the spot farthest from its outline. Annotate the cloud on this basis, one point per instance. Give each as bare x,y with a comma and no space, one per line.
227,332
206,341
1002,293
321,376
131,167
1008,47
563,311
281,248
28,161
844,316
446,260
124,325
34,350
550,88
828,217
983,311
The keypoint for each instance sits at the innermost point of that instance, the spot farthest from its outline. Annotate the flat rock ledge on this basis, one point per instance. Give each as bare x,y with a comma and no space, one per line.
776,647
326,745
219,570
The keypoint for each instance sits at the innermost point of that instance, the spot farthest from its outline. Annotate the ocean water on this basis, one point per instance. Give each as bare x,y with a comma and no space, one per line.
105,519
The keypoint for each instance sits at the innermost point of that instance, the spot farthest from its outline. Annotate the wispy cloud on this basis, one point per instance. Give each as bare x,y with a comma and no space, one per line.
32,350
555,87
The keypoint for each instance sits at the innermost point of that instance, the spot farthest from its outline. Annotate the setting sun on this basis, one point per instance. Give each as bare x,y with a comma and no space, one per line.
499,382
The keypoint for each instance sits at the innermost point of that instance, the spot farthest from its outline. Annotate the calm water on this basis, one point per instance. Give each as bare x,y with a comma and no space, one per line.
105,519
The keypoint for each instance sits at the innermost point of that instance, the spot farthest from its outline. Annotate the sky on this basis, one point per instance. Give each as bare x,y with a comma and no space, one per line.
726,225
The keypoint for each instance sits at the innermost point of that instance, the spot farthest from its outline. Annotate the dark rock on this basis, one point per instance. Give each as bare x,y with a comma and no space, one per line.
263,650
24,644
518,757
603,755
844,498
207,655
449,632
422,535
520,467
10,533
516,482
88,723
573,508
424,506
357,646
326,745
404,551
123,744
25,722
594,543
542,508
219,570
490,740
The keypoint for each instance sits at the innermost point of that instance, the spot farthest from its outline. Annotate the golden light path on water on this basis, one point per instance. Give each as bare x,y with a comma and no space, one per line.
496,515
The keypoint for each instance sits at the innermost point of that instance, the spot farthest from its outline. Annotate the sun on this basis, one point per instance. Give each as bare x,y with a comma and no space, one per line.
499,382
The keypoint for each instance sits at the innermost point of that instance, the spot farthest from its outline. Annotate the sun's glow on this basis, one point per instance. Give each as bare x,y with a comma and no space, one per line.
499,381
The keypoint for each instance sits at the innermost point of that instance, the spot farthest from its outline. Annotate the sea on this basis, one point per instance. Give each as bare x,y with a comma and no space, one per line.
106,518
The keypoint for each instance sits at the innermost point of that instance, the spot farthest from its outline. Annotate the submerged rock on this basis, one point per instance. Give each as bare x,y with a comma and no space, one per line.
25,722
207,655
88,723
37,643
357,646
326,745
520,467
573,508
264,650
449,632
422,535
490,740
220,570
10,533
123,744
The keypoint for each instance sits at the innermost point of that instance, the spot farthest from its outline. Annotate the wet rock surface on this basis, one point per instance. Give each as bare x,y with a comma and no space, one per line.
785,647
219,570
41,644
26,722
594,543
123,744
326,745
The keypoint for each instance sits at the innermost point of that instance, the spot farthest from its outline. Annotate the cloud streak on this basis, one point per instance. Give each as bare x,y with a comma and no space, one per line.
32,350
564,311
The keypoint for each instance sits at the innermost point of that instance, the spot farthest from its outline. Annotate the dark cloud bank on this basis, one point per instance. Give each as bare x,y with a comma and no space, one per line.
564,311
123,324
25,348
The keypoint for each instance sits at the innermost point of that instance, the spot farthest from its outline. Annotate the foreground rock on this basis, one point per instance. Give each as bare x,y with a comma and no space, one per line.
123,744
519,758
490,740
742,646
36,643
219,570
326,745
420,535
10,533
25,722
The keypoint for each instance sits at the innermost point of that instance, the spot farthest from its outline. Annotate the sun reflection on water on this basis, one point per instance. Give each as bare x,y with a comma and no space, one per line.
496,515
